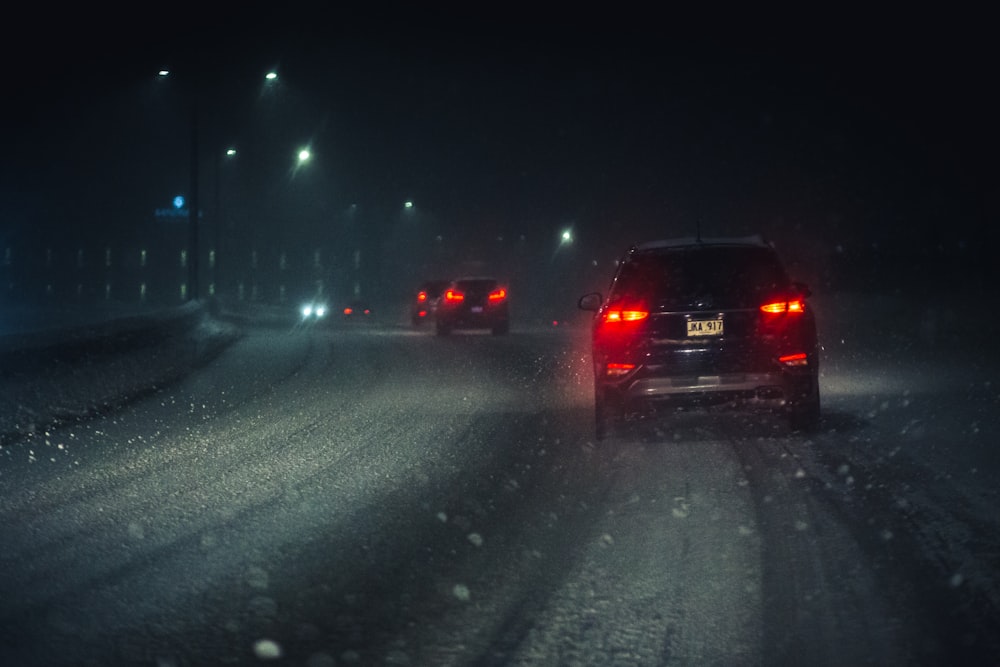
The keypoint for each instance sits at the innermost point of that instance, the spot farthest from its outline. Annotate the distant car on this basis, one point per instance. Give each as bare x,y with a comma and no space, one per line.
703,321
477,302
313,311
425,301
357,310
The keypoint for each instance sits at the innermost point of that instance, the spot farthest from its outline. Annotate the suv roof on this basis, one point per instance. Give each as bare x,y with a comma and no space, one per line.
755,240
477,278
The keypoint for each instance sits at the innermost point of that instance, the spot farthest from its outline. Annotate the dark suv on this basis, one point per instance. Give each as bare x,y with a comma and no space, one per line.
703,322
473,303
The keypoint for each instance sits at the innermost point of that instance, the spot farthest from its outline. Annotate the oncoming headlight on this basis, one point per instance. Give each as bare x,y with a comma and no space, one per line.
313,311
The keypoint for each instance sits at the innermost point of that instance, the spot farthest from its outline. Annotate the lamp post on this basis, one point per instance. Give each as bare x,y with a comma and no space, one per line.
192,244
193,249
228,154
219,228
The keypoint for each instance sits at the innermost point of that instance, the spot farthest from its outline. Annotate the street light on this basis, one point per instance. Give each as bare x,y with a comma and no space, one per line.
565,240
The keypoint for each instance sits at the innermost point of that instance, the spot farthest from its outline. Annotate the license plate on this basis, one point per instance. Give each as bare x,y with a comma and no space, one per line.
705,327
476,309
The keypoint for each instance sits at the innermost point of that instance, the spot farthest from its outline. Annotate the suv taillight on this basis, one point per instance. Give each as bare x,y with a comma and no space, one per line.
618,315
497,295
453,296
792,306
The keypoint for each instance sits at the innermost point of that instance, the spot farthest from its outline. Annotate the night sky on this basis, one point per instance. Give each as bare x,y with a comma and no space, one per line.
819,131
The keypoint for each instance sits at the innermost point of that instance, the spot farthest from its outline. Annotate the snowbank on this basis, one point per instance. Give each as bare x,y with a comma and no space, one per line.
68,374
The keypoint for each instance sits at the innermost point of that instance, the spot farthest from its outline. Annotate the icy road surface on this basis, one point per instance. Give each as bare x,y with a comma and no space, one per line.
380,496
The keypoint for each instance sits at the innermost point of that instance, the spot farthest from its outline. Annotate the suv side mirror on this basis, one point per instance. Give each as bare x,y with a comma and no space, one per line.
591,301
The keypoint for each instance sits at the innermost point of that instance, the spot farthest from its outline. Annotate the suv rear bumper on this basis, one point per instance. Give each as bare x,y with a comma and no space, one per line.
771,390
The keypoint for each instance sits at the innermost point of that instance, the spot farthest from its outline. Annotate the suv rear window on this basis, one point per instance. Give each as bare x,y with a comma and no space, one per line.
476,286
730,277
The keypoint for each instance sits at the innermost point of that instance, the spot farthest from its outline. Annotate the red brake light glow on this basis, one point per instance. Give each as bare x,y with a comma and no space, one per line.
625,315
789,306
796,359
453,296
498,294
421,296
616,369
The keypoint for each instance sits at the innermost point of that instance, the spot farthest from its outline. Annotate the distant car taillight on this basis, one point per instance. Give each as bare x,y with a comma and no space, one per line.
453,296
421,296
497,295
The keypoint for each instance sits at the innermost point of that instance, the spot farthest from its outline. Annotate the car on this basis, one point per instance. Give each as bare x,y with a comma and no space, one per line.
425,301
313,311
475,302
357,310
700,321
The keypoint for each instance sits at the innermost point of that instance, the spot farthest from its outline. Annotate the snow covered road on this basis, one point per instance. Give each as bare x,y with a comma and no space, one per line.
382,496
